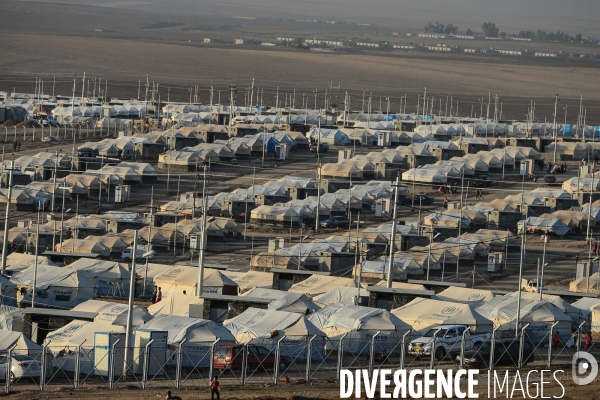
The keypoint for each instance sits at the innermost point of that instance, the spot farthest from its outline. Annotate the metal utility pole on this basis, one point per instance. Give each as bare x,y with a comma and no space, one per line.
62,219
541,281
7,220
318,197
129,328
199,287
393,233
149,249
556,100
37,245
588,238
520,277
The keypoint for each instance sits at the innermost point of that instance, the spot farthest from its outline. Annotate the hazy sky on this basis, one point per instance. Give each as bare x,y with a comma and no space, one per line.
571,16
512,15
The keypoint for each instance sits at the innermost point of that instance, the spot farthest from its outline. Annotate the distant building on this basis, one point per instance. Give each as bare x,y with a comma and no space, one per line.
403,47
510,52
374,45
212,40
250,42
433,35
321,42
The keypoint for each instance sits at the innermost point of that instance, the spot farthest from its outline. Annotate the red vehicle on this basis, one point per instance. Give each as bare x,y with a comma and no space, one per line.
259,357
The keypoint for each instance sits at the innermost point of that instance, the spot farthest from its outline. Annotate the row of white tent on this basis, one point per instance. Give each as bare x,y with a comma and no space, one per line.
478,309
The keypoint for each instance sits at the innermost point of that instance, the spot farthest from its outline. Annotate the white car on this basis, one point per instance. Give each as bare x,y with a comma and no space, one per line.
20,366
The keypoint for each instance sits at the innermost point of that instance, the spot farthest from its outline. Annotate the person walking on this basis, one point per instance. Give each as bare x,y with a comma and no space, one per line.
588,341
159,295
445,202
18,146
154,292
215,389
555,341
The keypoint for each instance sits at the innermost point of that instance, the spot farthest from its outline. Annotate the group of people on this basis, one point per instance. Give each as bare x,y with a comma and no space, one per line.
573,341
557,168
156,295
16,146
448,188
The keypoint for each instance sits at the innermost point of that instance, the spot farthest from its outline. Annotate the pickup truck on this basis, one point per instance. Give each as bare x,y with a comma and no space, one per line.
447,341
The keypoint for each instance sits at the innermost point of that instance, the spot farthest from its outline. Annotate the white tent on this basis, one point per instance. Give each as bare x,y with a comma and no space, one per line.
360,324
56,286
64,343
180,278
114,313
540,315
266,327
251,279
284,301
22,344
319,284
199,335
472,297
553,225
175,304
342,295
423,313
106,275
592,306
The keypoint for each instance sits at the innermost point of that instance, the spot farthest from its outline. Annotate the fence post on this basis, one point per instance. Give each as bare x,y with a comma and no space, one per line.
462,347
179,365
212,359
340,355
432,360
550,343
76,378
8,368
372,353
579,336
33,140
521,342
309,358
24,134
492,348
145,366
244,362
277,359
43,371
111,366
403,349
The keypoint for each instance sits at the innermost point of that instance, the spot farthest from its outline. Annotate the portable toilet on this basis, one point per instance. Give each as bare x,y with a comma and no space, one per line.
103,344
122,193
495,262
157,352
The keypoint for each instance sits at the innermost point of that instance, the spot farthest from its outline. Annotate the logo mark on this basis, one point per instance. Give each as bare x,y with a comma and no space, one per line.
449,310
584,363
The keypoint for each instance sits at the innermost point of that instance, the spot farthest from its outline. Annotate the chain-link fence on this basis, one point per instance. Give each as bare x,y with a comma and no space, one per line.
107,362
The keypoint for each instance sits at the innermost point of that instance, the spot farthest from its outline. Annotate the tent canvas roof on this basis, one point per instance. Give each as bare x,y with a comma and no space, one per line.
423,313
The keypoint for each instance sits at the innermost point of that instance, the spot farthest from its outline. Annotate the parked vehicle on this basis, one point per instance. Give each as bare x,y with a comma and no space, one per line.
421,199
322,148
531,286
447,341
20,366
127,254
258,357
333,222
483,181
505,353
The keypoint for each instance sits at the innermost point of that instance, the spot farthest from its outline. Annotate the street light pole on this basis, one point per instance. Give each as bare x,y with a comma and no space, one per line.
556,99
393,233
7,220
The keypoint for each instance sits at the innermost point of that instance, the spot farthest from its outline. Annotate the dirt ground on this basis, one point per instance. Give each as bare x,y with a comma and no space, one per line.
267,392
461,80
